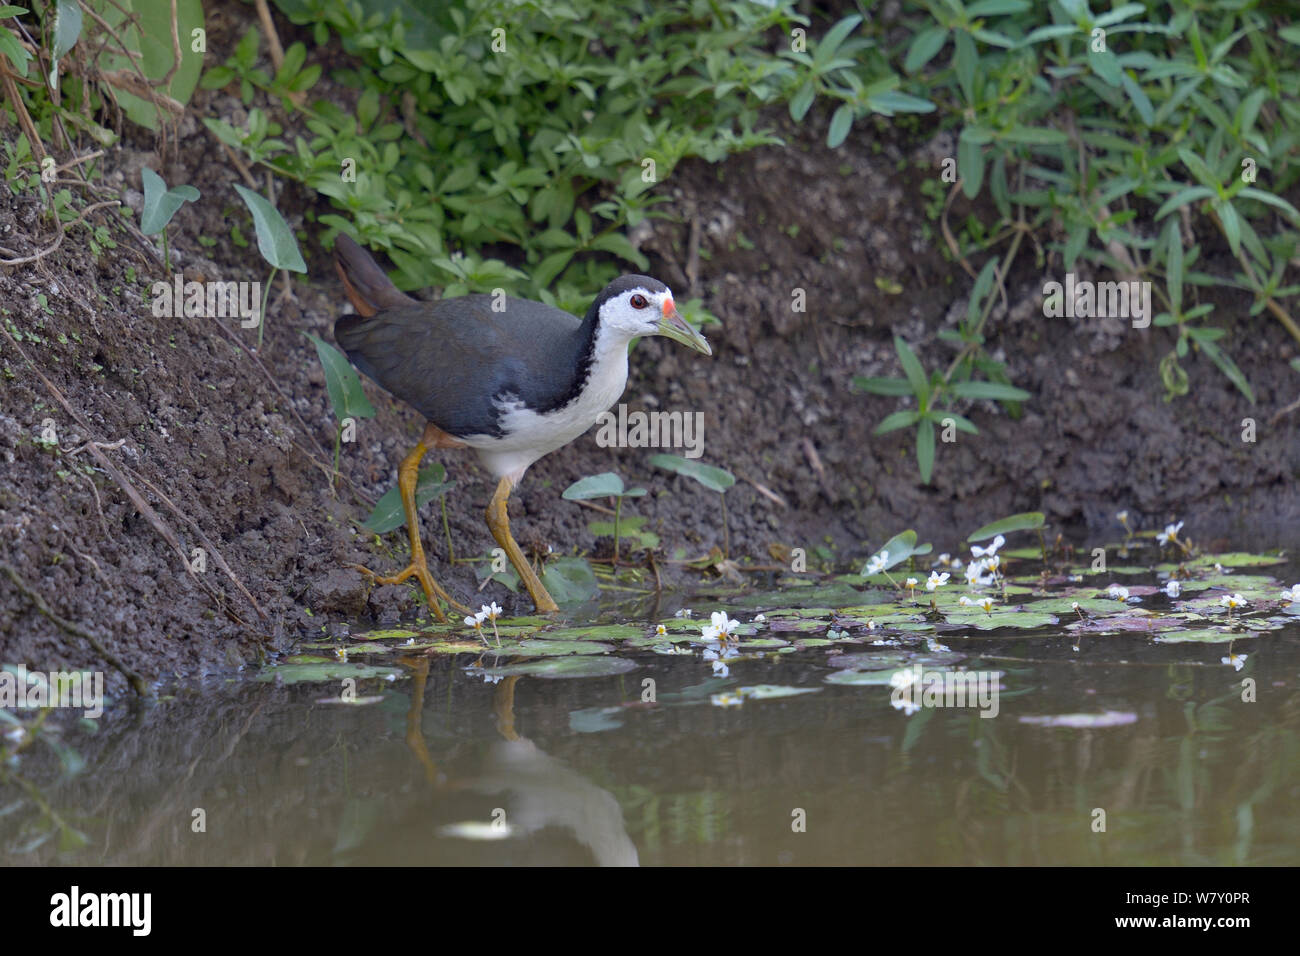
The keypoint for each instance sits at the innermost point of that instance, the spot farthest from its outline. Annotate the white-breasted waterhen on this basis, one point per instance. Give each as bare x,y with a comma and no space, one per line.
510,378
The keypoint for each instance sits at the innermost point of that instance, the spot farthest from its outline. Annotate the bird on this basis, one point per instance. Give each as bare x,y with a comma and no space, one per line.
510,378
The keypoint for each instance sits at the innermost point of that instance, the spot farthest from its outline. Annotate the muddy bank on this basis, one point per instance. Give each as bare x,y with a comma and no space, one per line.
232,447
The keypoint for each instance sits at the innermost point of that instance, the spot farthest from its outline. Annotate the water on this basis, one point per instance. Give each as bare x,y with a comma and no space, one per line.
450,768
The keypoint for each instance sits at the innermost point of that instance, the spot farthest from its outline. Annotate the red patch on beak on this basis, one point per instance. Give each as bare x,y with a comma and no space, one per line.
668,308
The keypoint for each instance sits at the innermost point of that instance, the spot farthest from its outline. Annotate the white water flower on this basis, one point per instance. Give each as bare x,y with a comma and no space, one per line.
991,550
661,631
987,604
490,612
877,564
1238,661
1117,593
1233,601
966,601
684,612
719,627
936,580
760,619
1292,595
1173,589
1170,533
905,704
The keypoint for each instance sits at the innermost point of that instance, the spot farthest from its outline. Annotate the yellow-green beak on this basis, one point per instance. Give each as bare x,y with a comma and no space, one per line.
673,326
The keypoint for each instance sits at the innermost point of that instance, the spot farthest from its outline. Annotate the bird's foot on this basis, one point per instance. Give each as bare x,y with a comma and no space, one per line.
433,592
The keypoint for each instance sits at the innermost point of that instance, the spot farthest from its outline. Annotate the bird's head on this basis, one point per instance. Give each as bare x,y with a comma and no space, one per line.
639,305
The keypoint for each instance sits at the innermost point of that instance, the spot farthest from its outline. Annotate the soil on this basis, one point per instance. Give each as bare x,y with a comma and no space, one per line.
240,440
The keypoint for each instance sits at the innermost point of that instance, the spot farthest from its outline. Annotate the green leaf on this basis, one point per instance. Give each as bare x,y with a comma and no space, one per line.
594,486
346,394
715,479
570,581
389,514
925,448
901,547
912,369
275,240
841,123
992,390
925,46
1025,521
67,27
899,419
883,386
1228,367
161,203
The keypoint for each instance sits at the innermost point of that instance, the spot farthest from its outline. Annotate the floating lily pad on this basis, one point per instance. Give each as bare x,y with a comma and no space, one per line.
1236,559
596,632
386,635
557,648
1205,635
1000,618
334,671
353,701
563,667
762,642
772,691
308,659
861,678
1090,605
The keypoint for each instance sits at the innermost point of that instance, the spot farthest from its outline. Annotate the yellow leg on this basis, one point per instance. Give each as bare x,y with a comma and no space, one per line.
503,704
407,476
499,524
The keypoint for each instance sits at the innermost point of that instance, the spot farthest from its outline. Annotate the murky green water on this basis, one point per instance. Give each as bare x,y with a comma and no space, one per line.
455,764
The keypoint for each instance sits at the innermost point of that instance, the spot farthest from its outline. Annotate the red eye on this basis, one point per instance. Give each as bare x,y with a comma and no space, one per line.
639,302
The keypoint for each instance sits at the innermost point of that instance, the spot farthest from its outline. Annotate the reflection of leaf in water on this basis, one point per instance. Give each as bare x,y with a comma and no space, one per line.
593,720
359,817
1107,718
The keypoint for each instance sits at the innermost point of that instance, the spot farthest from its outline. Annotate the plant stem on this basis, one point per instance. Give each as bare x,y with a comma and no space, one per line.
618,512
338,440
726,532
261,316
167,252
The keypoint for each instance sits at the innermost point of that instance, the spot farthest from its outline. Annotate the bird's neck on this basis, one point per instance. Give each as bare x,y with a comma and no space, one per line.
601,356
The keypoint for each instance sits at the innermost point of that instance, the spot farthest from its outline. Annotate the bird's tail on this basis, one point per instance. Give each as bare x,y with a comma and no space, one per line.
367,286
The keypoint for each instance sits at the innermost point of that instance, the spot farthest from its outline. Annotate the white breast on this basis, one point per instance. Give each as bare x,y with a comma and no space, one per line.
529,435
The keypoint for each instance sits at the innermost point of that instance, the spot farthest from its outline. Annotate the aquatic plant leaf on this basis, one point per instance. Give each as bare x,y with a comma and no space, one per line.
564,667
599,632
985,622
861,678
336,671
1025,521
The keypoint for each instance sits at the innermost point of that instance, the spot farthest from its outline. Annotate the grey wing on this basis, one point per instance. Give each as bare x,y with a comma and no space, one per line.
451,360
